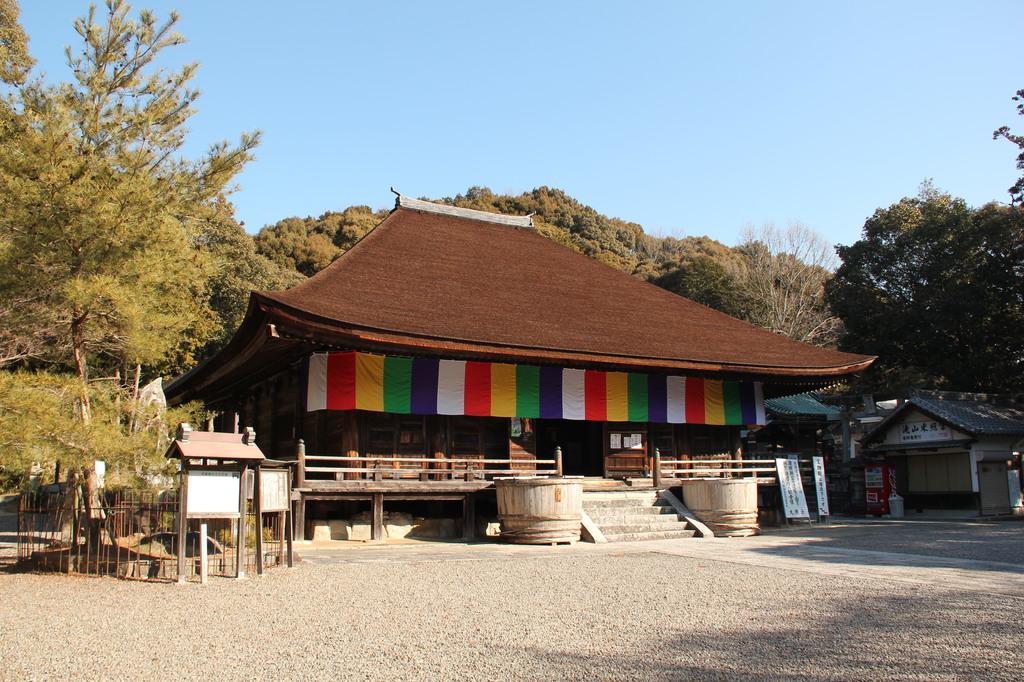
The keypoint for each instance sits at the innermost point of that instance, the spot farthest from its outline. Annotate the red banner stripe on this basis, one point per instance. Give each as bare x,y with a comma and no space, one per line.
694,400
341,381
596,395
478,389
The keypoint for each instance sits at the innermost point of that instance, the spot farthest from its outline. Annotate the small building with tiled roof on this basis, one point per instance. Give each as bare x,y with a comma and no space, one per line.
950,450
449,335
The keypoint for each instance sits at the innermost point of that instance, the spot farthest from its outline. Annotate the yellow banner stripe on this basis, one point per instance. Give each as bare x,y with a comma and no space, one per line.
617,392
369,382
714,402
503,390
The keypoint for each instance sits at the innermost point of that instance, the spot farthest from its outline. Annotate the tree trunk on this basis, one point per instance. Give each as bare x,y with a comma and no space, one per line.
81,363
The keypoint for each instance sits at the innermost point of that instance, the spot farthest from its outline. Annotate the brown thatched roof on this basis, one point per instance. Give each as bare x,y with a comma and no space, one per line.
445,281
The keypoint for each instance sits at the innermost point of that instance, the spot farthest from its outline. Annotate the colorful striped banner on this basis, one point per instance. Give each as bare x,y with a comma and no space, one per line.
363,381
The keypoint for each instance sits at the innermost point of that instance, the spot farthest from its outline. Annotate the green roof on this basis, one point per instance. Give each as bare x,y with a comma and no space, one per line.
801,405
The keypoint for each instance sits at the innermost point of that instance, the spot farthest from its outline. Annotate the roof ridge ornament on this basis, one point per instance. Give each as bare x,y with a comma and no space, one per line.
402,201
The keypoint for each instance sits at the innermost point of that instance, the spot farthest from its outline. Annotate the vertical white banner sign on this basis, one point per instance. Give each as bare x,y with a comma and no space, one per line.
820,485
794,504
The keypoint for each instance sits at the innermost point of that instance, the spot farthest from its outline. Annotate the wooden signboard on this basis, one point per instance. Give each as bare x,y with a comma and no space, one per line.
791,488
274,490
212,494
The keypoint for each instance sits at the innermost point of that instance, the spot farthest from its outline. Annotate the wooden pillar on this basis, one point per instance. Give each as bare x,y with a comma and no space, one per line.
289,528
300,467
469,517
657,468
299,518
182,520
377,517
558,460
349,441
257,505
240,543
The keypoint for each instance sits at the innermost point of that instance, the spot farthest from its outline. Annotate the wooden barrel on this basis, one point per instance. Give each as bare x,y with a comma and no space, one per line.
540,511
727,506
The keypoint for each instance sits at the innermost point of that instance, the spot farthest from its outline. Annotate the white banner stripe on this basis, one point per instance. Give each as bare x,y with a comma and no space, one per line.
451,387
676,396
759,403
316,385
573,394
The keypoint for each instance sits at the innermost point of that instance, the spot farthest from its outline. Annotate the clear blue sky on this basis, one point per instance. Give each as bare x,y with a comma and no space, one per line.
689,118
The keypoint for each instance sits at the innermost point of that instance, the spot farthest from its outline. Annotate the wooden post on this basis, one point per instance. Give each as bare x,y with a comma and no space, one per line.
377,517
558,460
289,527
349,441
469,517
299,519
657,468
240,542
300,467
204,556
182,520
257,505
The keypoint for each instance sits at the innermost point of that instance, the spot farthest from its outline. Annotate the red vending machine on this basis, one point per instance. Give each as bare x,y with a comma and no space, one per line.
878,485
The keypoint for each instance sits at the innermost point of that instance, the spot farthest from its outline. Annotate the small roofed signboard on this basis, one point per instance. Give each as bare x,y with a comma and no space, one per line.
273,490
212,494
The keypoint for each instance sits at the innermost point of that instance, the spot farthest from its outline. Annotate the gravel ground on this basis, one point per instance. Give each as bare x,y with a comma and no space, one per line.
640,616
982,541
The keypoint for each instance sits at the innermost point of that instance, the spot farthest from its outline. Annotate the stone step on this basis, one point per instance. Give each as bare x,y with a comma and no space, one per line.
655,535
624,502
619,528
627,504
622,495
634,519
644,512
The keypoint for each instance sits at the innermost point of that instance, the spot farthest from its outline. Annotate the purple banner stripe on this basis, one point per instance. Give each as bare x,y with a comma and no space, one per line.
748,403
657,398
551,392
424,386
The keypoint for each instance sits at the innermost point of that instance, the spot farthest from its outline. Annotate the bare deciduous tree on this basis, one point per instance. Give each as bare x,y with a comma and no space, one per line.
781,275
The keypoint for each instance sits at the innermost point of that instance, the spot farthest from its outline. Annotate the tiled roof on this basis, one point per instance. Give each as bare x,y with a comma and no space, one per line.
804,404
973,413
438,277
978,417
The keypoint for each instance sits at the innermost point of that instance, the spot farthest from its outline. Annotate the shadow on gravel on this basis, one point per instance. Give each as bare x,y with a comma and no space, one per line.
986,542
881,638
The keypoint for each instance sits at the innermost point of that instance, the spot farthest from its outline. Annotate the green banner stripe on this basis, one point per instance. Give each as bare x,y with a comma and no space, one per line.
397,384
733,405
527,391
637,397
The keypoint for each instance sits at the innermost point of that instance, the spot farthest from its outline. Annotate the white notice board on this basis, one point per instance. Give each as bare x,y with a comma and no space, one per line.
212,493
274,490
820,485
791,488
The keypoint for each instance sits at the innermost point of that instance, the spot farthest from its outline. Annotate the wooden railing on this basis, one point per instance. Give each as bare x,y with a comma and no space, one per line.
667,472
397,467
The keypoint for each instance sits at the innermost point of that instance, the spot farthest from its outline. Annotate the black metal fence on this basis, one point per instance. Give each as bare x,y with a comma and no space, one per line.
134,536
